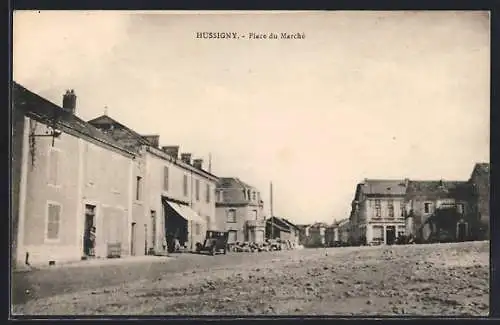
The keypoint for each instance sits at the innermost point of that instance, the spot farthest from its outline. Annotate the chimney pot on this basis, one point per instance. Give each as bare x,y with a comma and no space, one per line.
154,140
186,157
69,101
198,163
172,151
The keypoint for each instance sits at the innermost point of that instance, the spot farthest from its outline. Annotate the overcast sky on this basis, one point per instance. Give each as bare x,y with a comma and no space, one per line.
364,95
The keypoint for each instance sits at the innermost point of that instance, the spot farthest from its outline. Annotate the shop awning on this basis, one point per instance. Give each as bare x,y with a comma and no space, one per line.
186,212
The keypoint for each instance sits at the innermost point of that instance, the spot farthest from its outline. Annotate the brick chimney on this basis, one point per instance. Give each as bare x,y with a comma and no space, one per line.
154,140
172,151
186,157
69,101
198,163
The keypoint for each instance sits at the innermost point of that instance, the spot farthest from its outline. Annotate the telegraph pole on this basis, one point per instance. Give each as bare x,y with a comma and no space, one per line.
271,209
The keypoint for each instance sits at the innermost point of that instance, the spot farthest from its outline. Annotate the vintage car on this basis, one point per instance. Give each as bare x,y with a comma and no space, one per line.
215,242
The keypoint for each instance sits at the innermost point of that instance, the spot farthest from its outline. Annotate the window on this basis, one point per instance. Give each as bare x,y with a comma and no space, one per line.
197,229
403,210
460,208
165,178
248,195
427,207
138,189
207,199
255,215
54,167
208,222
378,233
390,206
185,185
231,216
254,196
197,189
53,221
378,209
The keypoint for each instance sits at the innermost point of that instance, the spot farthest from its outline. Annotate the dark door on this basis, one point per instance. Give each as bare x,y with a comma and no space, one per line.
133,239
390,235
462,232
89,223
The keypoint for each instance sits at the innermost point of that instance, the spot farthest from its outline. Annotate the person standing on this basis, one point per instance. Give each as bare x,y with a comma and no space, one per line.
92,241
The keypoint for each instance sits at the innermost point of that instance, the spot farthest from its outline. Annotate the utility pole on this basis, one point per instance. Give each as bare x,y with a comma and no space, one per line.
210,162
271,209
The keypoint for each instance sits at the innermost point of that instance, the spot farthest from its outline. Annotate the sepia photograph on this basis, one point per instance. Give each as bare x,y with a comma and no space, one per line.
250,163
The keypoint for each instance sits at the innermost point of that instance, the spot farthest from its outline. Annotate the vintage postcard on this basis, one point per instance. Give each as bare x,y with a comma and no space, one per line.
198,163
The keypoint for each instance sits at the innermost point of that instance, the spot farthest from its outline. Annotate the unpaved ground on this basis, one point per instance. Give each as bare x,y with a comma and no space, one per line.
440,279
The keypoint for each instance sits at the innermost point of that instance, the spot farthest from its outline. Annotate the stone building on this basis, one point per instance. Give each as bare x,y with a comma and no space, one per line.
377,215
480,198
239,210
68,177
174,195
283,229
428,200
344,230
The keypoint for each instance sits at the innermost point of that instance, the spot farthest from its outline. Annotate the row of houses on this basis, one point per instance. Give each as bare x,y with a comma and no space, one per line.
71,177
384,210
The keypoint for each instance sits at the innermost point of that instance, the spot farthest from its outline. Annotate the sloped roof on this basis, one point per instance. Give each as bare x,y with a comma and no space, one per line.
43,110
482,169
290,223
438,188
233,182
319,225
129,133
383,187
280,223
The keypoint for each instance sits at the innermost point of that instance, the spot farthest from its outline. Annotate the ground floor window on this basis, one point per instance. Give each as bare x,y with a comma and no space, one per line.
378,233
232,237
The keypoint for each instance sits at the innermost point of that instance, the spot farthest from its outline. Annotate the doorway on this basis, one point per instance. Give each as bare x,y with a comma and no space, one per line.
390,235
462,231
133,236
88,234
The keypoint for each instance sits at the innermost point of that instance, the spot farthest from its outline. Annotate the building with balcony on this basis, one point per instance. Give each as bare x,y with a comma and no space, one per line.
239,210
377,214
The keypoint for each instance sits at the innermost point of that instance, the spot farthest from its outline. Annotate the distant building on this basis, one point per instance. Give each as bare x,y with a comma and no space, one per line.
303,234
332,234
239,210
283,229
344,230
377,214
317,234
174,194
428,200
